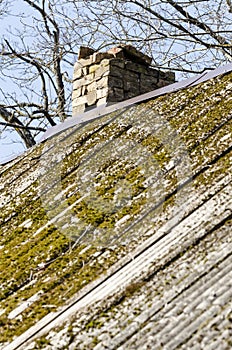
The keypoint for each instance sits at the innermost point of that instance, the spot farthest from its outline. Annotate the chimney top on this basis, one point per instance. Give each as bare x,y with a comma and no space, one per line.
85,52
113,76
122,51
131,53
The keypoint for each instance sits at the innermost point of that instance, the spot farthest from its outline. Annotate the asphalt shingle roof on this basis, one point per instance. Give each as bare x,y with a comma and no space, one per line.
116,234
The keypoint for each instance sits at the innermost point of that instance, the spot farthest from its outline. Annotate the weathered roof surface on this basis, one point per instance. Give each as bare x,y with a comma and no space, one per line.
116,234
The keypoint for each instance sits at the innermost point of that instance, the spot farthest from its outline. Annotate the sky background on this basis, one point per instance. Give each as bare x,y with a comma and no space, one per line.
10,143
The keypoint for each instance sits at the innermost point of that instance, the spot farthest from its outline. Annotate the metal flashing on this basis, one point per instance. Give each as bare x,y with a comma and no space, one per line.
214,73
109,108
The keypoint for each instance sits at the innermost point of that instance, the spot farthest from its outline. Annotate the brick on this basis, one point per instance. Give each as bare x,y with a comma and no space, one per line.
77,66
91,98
92,86
170,76
145,87
101,101
162,75
116,94
151,72
102,93
102,71
77,73
84,52
80,72
115,82
162,83
135,55
118,63
132,83
78,109
76,84
83,62
84,90
122,72
85,70
83,81
80,100
106,62
93,68
99,56
136,67
117,72
130,94
76,93
131,76
148,79
103,82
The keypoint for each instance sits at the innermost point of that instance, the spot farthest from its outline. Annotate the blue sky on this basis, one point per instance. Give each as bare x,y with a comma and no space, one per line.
10,143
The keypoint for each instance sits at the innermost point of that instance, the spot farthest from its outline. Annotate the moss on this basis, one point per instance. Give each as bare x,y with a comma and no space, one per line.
66,284
41,342
47,261
132,288
95,341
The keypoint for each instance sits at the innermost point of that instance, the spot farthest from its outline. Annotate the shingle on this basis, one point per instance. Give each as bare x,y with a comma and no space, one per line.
152,272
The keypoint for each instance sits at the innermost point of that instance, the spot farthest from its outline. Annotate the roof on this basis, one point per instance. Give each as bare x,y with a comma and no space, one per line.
116,234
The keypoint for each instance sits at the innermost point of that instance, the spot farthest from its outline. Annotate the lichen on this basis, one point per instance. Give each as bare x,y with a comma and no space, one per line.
50,254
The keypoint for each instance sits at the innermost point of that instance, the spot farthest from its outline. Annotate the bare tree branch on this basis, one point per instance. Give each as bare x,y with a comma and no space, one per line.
23,132
17,126
38,53
221,40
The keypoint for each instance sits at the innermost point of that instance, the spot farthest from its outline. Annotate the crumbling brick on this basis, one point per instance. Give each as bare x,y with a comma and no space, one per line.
113,76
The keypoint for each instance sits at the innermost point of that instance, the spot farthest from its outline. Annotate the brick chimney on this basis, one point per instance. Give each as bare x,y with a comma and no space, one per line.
113,76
